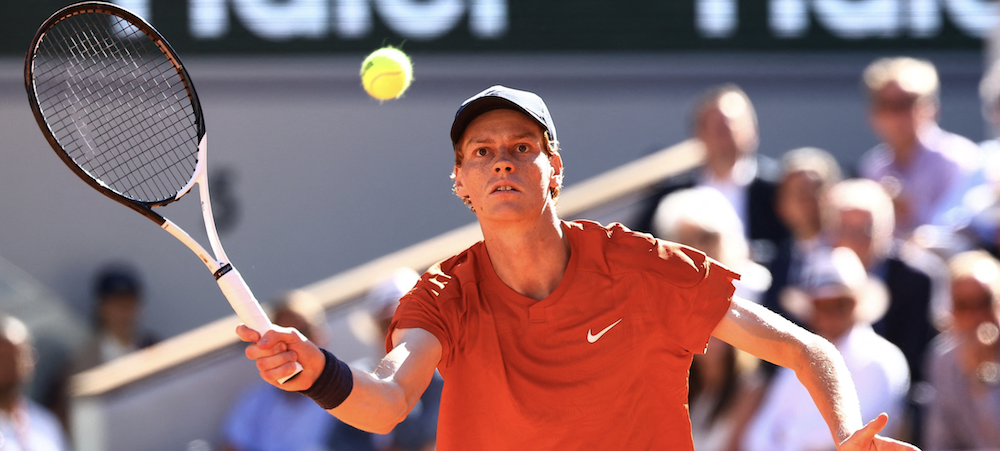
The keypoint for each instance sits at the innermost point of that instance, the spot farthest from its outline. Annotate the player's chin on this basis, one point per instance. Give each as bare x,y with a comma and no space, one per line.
505,211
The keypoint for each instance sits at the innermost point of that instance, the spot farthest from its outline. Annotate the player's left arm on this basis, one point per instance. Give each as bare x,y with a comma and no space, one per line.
818,365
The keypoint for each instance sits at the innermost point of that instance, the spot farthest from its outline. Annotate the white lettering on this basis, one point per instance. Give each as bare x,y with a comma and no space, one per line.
716,18
208,19
924,18
975,17
278,20
420,20
138,7
788,18
856,19
488,18
352,18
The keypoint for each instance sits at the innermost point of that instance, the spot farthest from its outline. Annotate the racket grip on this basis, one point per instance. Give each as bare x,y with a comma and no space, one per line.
244,304
247,308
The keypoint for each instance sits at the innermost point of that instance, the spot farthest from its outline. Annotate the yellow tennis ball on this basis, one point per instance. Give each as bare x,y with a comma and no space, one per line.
386,73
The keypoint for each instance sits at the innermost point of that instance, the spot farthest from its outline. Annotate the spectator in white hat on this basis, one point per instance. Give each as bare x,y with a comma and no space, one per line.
838,301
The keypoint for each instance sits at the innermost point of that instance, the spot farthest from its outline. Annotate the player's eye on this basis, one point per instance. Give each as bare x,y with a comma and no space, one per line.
523,148
480,152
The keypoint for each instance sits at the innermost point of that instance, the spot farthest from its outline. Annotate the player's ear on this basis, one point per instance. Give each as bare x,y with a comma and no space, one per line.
555,180
459,184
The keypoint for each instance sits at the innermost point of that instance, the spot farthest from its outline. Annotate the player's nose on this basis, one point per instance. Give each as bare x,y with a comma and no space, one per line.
503,163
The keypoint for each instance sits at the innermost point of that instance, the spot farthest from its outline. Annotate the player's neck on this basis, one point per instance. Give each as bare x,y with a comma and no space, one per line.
530,259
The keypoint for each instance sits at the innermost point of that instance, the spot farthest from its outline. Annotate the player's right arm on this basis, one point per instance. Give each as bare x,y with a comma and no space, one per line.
378,400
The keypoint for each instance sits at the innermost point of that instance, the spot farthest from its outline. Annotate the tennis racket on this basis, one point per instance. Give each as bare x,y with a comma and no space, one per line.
114,101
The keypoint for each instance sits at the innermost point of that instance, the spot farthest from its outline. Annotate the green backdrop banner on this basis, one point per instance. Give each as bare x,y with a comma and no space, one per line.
331,26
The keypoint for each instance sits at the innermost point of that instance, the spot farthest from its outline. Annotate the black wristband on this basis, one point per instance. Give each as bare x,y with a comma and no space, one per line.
333,385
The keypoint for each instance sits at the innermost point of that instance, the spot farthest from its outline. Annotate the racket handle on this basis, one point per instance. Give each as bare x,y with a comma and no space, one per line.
244,304
247,308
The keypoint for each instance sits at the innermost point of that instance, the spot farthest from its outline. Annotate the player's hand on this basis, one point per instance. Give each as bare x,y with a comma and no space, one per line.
867,439
276,353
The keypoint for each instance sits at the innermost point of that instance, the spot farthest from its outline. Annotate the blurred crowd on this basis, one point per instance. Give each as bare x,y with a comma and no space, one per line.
892,258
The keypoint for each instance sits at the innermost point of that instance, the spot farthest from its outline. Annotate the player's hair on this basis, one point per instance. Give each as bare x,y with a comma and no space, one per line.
711,99
980,266
814,161
549,146
865,195
916,76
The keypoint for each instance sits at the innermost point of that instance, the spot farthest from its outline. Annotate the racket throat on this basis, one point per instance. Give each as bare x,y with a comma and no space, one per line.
222,271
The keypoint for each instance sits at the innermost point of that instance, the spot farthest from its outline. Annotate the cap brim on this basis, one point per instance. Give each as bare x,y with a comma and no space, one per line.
477,107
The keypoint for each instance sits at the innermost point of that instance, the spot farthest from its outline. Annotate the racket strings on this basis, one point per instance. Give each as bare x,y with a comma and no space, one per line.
117,106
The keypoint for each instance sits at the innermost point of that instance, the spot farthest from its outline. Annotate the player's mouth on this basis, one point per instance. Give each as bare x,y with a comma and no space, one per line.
504,189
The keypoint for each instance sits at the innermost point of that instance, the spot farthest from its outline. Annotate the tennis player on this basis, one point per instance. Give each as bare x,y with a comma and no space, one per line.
553,334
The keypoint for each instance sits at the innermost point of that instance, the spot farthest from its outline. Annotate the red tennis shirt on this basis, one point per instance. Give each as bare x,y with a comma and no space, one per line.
601,363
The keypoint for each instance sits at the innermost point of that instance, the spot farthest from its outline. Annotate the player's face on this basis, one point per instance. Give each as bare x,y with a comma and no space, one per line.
505,171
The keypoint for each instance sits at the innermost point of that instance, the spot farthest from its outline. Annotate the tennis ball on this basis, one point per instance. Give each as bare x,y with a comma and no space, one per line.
386,73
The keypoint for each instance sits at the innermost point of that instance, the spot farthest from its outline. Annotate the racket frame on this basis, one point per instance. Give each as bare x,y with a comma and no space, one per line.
229,279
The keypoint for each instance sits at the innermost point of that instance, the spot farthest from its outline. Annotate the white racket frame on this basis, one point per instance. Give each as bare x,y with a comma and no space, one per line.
236,290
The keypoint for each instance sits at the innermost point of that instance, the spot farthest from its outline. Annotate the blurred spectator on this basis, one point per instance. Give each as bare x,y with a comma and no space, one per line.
839,301
117,331
726,123
964,361
926,170
724,389
989,97
266,418
984,201
370,324
807,174
859,216
703,219
983,230
724,384
24,424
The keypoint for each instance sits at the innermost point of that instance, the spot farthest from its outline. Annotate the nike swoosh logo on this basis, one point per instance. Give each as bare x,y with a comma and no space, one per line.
591,338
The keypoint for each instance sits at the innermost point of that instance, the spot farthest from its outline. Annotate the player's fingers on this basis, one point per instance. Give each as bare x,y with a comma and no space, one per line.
864,438
867,433
888,444
247,334
874,426
282,372
268,363
280,335
257,352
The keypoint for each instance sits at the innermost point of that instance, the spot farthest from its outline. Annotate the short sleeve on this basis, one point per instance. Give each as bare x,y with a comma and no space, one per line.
690,313
421,308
